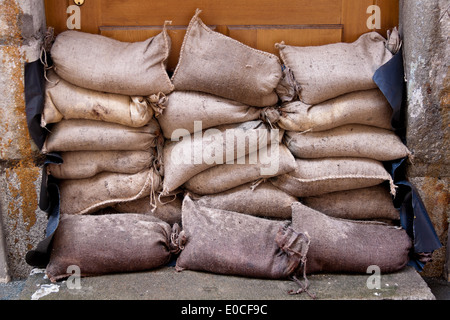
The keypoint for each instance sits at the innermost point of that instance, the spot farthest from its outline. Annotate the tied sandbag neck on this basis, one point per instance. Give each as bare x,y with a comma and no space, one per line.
177,239
157,102
47,43
270,115
296,246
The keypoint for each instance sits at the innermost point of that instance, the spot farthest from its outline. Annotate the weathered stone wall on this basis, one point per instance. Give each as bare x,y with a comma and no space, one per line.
425,28
22,25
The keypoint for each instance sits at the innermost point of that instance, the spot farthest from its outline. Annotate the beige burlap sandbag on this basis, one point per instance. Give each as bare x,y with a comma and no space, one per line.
195,153
167,209
84,196
111,243
339,245
85,164
185,107
67,101
357,204
84,135
327,71
368,107
214,63
267,162
264,201
351,140
100,63
319,176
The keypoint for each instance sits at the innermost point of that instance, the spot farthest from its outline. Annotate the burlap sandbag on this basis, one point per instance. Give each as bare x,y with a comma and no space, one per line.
339,245
167,209
368,107
319,176
275,159
214,63
100,63
86,164
231,243
202,150
85,135
84,196
66,101
102,244
263,201
357,204
327,71
351,140
185,107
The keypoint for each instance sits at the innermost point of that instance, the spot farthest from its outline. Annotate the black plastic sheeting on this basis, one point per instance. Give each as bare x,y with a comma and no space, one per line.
389,78
413,214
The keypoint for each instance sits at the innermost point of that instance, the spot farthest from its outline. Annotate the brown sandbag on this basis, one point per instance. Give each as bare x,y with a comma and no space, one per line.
357,204
314,177
86,164
102,244
84,196
214,63
267,162
66,101
265,200
185,107
351,140
339,245
202,150
231,243
84,135
368,107
100,63
327,71
167,209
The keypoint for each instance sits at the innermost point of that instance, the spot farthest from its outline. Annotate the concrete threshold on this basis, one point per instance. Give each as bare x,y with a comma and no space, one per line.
167,284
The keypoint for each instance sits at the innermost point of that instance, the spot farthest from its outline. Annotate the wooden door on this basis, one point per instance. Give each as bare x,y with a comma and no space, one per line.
257,23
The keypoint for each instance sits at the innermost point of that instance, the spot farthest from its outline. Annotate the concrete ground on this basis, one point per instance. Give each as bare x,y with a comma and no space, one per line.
167,284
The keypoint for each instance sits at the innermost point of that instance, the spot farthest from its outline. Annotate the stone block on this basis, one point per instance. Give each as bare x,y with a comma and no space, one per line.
23,222
434,193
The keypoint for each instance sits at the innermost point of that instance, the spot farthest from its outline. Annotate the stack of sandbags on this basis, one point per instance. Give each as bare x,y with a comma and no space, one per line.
218,142
338,128
100,109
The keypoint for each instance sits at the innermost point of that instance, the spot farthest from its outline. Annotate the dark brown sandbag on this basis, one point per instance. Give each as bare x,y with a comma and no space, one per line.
339,245
231,243
357,204
264,200
101,244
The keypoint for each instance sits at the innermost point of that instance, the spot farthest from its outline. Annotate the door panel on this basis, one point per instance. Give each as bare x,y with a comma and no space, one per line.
257,23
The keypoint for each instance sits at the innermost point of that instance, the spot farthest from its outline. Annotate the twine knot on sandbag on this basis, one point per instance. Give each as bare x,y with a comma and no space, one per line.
157,102
177,239
47,43
287,89
270,115
296,246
